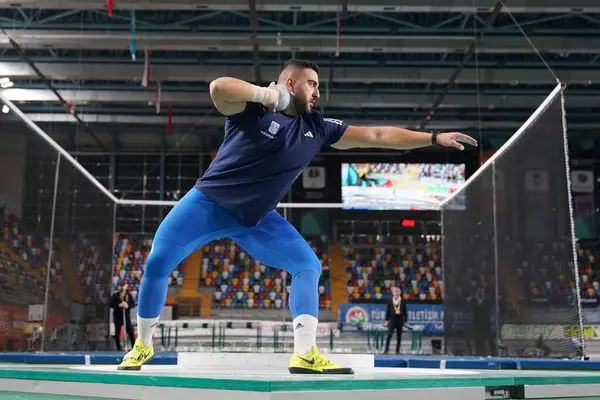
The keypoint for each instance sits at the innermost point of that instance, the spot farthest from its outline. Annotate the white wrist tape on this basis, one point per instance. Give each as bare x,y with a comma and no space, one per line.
264,95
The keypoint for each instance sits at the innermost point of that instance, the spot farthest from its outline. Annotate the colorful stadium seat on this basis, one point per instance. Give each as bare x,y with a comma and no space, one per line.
248,283
376,264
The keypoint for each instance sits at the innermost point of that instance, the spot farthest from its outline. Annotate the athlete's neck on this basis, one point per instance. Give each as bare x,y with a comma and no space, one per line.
290,111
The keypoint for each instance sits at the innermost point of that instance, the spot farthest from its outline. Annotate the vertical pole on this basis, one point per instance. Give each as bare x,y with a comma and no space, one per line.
443,241
109,275
331,339
497,284
50,251
213,337
572,226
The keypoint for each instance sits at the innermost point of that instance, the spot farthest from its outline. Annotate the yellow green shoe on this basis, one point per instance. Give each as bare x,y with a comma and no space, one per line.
140,354
315,363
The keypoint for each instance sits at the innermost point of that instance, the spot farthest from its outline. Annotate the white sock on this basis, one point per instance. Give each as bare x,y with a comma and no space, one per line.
305,333
146,328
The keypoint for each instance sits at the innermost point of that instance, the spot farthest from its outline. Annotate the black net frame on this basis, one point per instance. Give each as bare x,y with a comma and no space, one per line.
508,245
56,245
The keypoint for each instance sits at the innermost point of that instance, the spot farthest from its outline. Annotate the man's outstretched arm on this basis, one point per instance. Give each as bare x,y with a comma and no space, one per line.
230,95
389,137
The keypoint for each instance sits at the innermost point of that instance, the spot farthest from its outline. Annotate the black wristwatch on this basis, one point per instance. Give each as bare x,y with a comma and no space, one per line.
434,138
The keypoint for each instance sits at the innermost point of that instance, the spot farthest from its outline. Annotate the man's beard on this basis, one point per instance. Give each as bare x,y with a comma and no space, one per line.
300,106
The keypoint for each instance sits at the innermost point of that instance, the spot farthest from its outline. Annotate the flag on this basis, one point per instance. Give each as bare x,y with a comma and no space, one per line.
132,47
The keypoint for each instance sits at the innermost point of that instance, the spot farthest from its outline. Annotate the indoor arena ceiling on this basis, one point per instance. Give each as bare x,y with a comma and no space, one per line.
380,62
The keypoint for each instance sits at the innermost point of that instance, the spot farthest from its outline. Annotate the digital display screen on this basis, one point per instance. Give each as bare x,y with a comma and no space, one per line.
399,186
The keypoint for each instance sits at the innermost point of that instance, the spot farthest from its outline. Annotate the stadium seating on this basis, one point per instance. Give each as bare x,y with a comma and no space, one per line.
19,287
130,255
92,275
374,265
31,248
238,279
241,281
16,286
589,271
545,276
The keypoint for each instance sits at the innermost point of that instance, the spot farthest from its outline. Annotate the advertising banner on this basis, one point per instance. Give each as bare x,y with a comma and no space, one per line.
372,316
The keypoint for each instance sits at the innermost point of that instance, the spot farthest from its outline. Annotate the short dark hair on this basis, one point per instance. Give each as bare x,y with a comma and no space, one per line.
301,64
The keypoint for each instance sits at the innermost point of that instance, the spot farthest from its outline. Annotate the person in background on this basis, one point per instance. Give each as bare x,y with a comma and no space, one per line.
395,319
483,311
122,302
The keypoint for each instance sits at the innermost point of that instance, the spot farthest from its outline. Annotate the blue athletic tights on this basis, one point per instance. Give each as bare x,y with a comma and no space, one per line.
197,220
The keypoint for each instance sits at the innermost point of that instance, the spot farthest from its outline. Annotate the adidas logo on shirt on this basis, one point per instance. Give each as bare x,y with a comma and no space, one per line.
309,134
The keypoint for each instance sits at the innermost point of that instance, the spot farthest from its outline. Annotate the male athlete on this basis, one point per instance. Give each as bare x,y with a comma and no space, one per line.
261,156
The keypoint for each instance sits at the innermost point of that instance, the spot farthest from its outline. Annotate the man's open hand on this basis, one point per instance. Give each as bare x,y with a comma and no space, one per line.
454,139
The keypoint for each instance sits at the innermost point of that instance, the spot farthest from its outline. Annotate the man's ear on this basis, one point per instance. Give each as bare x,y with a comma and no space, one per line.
289,84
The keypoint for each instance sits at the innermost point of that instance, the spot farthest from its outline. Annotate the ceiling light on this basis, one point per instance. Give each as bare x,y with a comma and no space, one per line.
5,109
4,80
7,85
